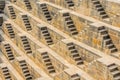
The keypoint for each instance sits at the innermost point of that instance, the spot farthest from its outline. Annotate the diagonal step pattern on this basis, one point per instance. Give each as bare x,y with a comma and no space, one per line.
28,5
100,9
12,12
46,12
113,68
26,44
46,35
70,24
74,53
47,62
10,30
6,73
107,39
70,3
9,52
26,22
25,70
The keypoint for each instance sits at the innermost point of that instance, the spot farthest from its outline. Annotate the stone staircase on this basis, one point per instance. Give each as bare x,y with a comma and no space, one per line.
70,3
70,24
47,62
28,5
100,9
74,53
26,44
9,52
12,12
6,73
25,70
115,72
26,22
46,35
107,40
46,12
10,30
